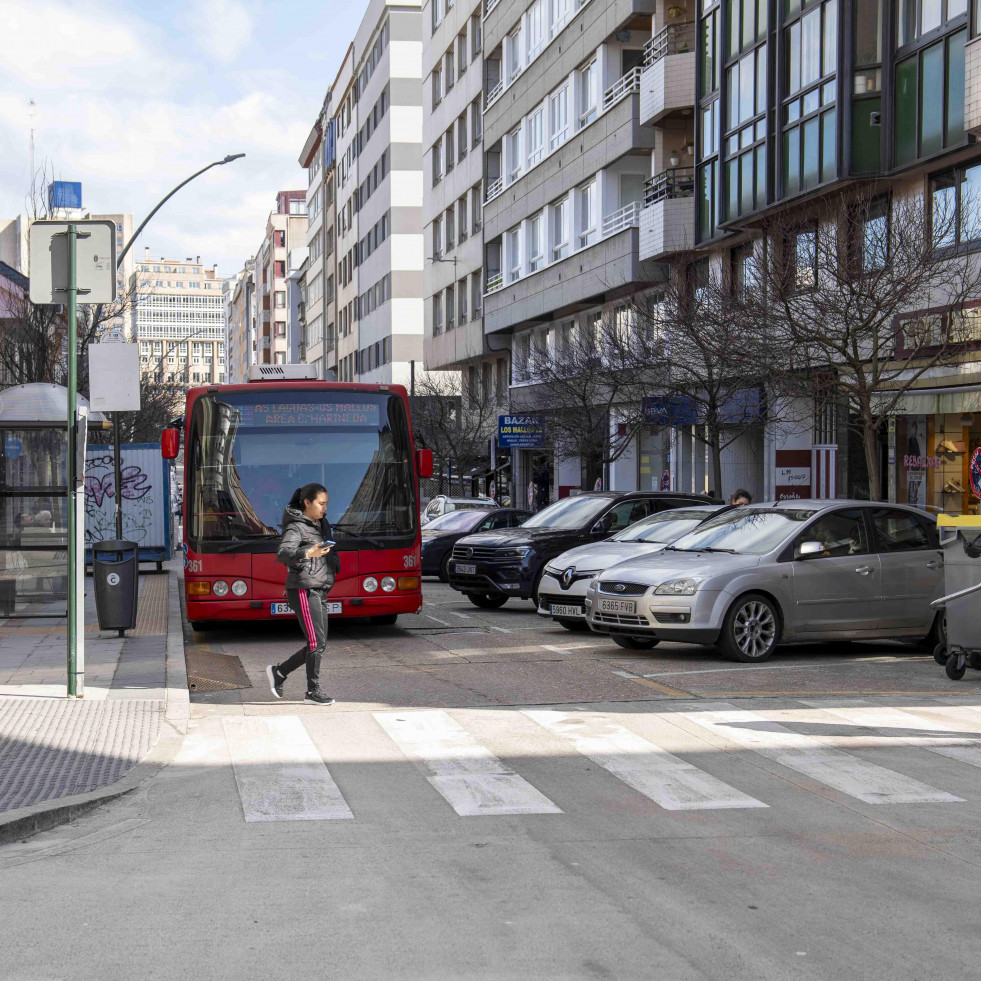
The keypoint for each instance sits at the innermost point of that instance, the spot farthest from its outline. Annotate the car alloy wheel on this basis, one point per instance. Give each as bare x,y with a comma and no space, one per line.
751,629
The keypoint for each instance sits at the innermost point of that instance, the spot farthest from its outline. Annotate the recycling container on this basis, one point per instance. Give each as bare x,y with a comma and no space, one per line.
960,539
115,571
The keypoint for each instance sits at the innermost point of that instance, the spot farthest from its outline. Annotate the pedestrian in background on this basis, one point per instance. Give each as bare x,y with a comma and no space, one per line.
740,498
312,567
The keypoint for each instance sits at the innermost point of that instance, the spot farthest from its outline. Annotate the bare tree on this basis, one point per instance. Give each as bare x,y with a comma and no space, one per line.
870,291
160,402
716,361
586,384
453,421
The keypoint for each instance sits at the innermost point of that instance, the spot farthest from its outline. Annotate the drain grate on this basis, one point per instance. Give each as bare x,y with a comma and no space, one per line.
207,671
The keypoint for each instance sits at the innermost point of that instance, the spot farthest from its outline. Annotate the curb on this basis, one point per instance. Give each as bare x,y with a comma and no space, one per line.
26,821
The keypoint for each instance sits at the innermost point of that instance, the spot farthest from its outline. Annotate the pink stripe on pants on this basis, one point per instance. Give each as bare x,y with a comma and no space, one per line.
307,619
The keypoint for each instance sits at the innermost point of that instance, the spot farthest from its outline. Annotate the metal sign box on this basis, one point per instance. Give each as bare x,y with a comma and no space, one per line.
95,261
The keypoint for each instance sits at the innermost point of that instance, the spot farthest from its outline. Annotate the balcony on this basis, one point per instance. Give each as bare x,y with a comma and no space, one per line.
623,87
493,95
667,219
668,79
493,189
626,217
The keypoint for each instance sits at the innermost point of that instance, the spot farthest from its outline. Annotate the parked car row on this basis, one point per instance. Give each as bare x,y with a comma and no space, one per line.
646,567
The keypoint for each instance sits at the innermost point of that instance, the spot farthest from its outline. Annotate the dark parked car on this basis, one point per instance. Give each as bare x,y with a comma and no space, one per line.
442,533
490,567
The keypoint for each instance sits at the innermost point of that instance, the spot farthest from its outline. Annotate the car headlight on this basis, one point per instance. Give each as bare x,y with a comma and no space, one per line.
553,570
219,587
678,587
370,584
240,587
516,553
388,584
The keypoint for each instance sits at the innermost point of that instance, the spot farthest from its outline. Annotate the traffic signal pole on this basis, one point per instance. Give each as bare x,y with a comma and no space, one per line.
73,639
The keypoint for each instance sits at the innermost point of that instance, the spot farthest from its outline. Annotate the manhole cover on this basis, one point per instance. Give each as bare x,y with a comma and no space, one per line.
207,671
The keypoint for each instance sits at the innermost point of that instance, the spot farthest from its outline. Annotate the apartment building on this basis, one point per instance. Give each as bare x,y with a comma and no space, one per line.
238,295
318,345
453,202
801,98
378,116
565,164
179,320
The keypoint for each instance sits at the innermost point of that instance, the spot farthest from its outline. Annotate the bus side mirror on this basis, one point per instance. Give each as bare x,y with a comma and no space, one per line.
424,463
170,444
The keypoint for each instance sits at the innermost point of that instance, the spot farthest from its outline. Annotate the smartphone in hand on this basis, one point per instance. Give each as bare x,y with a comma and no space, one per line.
327,543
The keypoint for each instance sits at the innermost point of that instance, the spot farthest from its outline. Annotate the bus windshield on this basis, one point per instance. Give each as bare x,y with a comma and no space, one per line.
249,451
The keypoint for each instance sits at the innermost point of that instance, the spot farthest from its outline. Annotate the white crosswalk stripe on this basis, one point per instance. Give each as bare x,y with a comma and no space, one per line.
469,777
279,773
811,756
953,746
667,780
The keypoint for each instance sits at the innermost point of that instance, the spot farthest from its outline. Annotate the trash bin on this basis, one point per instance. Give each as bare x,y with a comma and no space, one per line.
116,571
960,539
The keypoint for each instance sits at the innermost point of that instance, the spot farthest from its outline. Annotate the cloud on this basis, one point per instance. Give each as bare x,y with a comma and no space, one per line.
223,28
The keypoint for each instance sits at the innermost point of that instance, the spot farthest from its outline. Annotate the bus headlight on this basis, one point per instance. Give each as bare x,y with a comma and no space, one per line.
240,587
388,584
370,584
220,587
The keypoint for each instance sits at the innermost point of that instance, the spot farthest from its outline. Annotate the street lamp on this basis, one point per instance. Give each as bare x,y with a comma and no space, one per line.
117,462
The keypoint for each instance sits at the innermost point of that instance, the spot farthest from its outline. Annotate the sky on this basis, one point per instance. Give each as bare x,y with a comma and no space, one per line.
132,98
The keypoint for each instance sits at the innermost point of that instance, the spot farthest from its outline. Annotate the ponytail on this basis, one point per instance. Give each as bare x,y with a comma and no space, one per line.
308,492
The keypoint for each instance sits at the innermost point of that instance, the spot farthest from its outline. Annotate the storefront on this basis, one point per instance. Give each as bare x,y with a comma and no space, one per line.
934,455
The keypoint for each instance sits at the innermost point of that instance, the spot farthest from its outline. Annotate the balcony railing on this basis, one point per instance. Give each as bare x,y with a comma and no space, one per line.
494,282
621,88
673,39
678,182
493,189
627,217
494,94
489,5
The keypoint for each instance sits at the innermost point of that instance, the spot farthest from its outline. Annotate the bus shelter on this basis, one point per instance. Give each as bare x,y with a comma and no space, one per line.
34,500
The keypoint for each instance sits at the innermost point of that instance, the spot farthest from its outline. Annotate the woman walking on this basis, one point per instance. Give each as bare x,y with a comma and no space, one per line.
312,566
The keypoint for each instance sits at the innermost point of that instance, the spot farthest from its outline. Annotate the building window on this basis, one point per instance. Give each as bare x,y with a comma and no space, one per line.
475,36
279,239
513,141
461,218
587,214
279,268
450,308
448,149
930,99
280,298
461,52
512,54
461,136
450,230
461,295
536,28
502,380
476,122
437,237
536,242
560,230
587,84
558,117
437,84
535,129
870,226
475,209
919,17
802,254
476,294
437,314
512,243
279,357
437,154
280,328
448,69
955,206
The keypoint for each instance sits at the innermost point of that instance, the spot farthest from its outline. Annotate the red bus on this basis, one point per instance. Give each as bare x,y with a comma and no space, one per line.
248,447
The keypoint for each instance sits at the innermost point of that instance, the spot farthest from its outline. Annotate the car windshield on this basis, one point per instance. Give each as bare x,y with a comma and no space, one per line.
750,531
668,526
569,513
456,521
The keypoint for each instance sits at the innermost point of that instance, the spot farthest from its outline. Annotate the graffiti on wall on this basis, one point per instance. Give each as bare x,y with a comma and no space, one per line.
100,501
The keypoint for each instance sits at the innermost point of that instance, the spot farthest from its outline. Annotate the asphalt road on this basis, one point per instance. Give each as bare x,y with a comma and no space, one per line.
495,797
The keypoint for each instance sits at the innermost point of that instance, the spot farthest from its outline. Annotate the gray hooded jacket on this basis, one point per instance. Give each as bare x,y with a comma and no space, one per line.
299,534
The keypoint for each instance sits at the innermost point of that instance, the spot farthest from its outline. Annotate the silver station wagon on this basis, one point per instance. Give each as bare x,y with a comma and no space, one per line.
756,577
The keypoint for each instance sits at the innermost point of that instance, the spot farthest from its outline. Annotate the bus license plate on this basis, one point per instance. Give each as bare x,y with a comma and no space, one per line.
565,611
465,569
618,606
284,609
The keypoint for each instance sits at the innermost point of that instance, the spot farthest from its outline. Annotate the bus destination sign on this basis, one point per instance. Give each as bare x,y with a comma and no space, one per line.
335,414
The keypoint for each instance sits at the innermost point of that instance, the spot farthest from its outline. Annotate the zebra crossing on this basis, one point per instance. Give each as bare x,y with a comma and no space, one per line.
482,762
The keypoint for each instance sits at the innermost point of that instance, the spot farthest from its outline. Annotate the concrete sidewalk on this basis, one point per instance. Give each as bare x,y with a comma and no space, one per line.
61,756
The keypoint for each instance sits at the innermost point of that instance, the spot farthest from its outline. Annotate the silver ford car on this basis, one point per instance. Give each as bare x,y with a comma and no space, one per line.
563,585
756,577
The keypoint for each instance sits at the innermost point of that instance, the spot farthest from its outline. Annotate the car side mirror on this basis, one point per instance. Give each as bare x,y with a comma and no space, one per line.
809,550
598,529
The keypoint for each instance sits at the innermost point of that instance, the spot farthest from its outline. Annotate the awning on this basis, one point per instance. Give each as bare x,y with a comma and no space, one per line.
937,401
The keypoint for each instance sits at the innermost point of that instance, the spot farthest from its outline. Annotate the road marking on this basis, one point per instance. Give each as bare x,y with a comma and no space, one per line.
556,650
663,689
445,623
462,616
466,774
962,748
810,756
661,777
500,630
279,772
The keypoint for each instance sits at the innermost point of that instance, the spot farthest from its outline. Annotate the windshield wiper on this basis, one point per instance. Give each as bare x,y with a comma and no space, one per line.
358,534
242,542
709,548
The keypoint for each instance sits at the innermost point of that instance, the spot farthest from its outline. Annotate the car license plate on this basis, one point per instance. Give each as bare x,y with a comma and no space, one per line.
565,611
465,569
618,606
284,609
